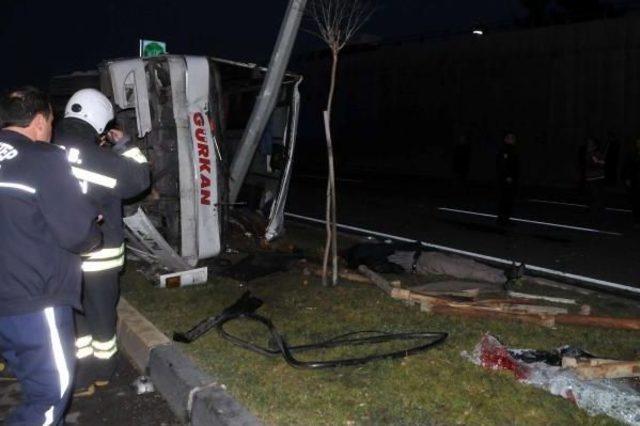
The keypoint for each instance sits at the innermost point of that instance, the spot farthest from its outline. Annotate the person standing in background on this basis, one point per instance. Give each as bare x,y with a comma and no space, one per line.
508,174
595,178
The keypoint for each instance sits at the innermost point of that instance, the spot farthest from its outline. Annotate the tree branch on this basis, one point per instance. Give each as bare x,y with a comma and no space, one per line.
336,22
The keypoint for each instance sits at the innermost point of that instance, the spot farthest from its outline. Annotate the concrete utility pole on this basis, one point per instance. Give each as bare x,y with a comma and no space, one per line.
267,98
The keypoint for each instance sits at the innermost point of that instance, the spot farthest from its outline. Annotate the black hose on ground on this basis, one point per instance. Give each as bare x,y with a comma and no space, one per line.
245,307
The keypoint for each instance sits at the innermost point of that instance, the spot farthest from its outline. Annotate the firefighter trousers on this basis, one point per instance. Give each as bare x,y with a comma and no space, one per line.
39,349
96,326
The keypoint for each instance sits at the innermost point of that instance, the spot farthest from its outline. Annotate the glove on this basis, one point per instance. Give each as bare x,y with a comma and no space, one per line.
121,141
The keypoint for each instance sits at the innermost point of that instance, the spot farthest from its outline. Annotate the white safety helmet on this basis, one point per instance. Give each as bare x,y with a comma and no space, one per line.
91,106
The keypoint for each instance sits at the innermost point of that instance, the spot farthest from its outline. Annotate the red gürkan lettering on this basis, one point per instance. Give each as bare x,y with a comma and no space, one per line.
204,159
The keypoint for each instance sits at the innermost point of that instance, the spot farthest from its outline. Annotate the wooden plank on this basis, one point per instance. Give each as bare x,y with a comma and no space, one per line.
470,293
553,284
604,322
455,285
503,307
377,279
509,301
534,309
486,314
408,295
559,316
569,361
561,300
346,275
585,310
613,370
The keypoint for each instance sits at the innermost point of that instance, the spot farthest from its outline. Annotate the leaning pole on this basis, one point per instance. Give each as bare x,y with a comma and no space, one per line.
267,98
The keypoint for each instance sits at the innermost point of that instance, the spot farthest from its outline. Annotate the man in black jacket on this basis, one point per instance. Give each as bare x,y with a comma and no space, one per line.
45,222
107,176
508,170
595,155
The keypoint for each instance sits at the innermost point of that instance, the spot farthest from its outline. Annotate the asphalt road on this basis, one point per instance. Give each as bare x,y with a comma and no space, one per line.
116,404
555,236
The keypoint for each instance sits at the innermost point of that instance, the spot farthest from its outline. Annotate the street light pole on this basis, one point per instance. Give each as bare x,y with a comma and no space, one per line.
267,98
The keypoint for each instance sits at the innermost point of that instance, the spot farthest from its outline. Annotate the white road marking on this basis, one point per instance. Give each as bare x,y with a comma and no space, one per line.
576,277
535,222
584,206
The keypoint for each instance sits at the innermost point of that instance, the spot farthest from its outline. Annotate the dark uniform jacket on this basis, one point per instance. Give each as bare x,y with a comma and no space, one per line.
45,222
107,177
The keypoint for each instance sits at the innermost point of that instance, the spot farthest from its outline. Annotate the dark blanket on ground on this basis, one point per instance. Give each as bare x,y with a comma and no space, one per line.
261,264
374,256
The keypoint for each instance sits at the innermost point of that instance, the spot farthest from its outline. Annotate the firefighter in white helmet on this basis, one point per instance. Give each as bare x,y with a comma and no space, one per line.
107,175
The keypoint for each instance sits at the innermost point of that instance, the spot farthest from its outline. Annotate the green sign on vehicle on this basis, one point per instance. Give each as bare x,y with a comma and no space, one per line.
150,48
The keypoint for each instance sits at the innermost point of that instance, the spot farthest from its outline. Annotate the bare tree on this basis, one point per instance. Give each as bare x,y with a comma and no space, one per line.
335,22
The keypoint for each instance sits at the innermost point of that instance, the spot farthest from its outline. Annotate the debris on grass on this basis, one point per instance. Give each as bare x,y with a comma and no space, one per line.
609,397
602,368
260,264
376,279
467,300
247,305
184,278
435,263
143,385
515,309
438,387
560,300
345,275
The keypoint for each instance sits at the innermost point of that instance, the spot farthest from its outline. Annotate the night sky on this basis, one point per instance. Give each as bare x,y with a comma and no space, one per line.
40,39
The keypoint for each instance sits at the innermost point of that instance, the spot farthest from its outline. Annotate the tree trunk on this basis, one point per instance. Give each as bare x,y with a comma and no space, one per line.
328,227
331,227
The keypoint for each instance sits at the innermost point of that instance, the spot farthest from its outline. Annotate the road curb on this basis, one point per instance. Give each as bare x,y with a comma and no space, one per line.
137,335
193,395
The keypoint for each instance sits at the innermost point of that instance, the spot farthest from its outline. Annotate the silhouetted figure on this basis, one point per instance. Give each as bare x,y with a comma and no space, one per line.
631,178
508,171
594,178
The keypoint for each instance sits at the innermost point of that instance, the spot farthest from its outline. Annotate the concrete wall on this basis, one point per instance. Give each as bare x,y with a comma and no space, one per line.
399,108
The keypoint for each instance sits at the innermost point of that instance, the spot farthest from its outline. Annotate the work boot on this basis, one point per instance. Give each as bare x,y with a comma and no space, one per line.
105,360
104,369
84,391
83,385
